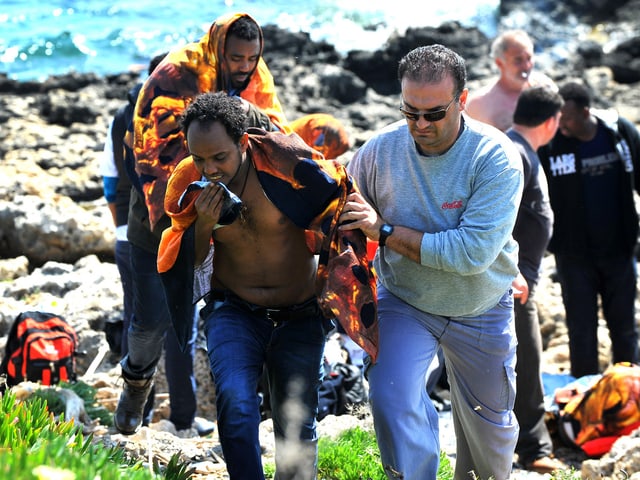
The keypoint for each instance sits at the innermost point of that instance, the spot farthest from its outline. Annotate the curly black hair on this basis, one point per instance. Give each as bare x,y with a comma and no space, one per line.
213,107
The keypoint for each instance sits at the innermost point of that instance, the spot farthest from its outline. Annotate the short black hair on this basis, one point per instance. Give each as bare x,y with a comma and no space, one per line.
244,28
214,107
577,92
536,105
432,64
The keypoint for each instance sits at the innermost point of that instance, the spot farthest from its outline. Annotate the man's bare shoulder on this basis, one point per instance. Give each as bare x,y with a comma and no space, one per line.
478,91
481,100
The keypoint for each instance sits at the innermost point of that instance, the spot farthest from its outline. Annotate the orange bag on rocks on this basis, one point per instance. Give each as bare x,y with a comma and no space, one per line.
41,347
595,418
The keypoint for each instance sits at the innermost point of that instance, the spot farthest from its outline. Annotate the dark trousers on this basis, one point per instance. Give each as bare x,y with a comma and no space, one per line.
123,262
150,331
613,280
534,440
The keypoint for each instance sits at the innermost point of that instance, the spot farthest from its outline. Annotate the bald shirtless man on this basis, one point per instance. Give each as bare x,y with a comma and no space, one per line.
274,294
495,103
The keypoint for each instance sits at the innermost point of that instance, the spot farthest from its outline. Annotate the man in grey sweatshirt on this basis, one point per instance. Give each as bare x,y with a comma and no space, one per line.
440,193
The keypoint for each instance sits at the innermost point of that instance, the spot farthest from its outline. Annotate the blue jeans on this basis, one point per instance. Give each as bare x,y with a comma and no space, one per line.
582,281
151,330
480,361
240,344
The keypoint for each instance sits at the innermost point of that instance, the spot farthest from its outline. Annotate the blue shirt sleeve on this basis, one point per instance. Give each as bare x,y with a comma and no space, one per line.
109,185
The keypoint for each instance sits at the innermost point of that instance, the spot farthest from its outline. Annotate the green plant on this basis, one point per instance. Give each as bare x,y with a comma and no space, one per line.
269,470
83,390
88,393
26,424
568,474
174,470
354,455
445,470
34,446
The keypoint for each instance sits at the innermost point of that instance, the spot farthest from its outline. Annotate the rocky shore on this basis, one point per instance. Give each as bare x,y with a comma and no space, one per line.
56,235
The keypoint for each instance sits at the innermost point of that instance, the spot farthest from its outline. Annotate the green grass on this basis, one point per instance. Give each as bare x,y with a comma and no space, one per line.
354,455
569,474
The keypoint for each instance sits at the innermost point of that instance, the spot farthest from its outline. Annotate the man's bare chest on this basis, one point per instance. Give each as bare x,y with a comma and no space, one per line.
259,219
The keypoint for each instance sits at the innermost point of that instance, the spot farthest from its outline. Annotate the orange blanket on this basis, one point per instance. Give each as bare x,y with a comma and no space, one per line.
324,132
158,142
312,194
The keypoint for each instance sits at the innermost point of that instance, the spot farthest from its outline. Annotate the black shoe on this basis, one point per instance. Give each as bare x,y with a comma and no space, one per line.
129,413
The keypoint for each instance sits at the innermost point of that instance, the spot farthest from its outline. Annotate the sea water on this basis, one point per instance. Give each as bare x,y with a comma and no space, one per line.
105,36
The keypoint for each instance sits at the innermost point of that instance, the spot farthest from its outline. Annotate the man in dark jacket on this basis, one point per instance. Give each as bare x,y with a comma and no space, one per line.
593,167
125,186
117,189
535,122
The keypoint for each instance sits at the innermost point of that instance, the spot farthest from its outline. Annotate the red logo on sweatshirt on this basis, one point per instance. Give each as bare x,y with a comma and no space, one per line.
452,205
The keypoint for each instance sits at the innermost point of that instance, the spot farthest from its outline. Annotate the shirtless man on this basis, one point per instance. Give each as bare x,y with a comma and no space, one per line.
265,272
495,103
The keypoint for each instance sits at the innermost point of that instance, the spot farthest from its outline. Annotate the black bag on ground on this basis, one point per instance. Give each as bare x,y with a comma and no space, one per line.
329,395
41,347
342,388
353,391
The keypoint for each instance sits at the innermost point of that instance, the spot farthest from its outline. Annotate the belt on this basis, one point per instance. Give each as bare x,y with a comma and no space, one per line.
277,315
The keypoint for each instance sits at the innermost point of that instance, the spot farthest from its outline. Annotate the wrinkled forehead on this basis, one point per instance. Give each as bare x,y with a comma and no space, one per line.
518,46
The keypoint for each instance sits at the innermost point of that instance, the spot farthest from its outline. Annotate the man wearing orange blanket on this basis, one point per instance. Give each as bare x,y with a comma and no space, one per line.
263,207
227,59
224,60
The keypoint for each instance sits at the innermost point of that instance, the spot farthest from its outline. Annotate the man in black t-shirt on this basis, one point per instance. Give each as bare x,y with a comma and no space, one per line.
593,167
535,122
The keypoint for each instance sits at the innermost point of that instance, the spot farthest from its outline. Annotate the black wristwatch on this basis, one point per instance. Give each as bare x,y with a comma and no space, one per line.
385,231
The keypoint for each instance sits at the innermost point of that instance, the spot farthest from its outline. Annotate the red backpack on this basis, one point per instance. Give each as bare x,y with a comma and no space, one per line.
41,347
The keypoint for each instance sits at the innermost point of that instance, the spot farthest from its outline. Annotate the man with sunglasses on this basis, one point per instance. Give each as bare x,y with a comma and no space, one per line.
440,193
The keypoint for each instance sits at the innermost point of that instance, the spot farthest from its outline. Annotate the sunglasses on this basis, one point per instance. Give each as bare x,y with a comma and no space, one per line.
433,116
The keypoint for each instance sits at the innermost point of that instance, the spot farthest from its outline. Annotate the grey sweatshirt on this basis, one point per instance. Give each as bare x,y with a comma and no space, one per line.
465,201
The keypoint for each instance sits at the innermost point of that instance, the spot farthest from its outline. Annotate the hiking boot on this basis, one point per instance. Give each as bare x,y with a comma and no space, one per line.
129,413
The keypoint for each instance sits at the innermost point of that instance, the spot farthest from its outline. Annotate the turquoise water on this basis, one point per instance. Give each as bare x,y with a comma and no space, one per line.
105,36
